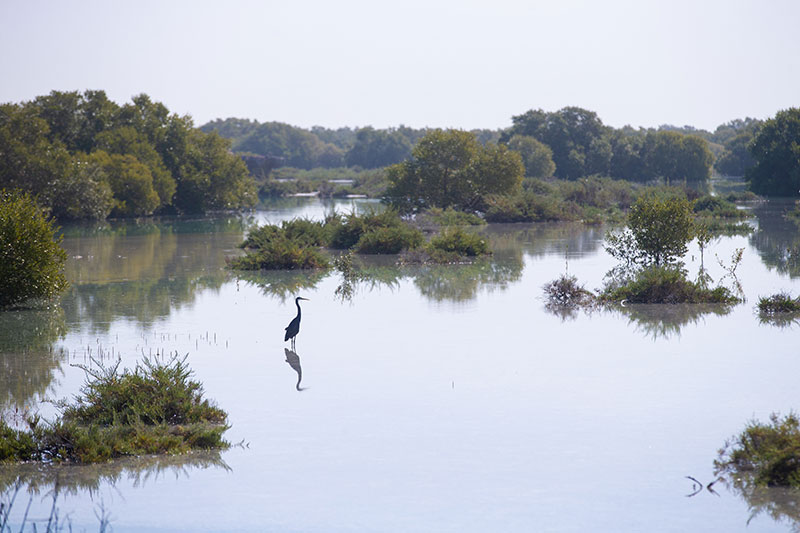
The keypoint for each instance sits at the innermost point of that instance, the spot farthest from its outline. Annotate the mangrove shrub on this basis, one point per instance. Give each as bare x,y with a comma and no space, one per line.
31,257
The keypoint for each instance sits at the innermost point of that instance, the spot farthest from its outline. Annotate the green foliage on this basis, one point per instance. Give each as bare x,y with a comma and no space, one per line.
31,258
450,168
764,455
389,240
346,231
154,393
83,193
736,158
528,207
776,150
714,206
377,148
661,228
666,284
143,156
677,157
297,147
536,156
15,445
280,253
458,241
778,304
156,408
577,138
131,184
29,161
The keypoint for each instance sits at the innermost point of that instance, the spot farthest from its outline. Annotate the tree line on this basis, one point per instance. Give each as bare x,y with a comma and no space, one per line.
569,143
85,157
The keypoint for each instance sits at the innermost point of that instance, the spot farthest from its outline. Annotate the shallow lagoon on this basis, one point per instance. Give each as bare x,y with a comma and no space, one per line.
438,399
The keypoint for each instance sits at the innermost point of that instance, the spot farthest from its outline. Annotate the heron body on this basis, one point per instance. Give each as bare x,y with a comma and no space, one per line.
294,326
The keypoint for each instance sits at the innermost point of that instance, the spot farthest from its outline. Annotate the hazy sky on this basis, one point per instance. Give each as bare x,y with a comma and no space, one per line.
466,64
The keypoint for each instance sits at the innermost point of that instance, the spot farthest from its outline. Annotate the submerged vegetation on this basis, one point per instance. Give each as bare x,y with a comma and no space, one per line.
156,408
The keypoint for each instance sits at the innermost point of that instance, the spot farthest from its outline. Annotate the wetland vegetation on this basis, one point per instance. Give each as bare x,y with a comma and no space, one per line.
155,408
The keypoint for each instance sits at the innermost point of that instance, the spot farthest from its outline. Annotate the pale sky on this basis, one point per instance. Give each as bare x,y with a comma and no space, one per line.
463,64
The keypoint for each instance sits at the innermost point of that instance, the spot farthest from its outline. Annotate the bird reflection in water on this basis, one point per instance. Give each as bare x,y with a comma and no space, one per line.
294,361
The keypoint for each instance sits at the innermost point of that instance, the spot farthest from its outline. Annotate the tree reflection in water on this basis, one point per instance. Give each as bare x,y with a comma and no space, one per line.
283,284
667,320
28,362
777,239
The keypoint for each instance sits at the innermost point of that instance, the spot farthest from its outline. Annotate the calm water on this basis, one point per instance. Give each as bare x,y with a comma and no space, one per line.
438,399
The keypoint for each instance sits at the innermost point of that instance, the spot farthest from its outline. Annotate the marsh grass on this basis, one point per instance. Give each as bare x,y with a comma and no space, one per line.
764,455
156,408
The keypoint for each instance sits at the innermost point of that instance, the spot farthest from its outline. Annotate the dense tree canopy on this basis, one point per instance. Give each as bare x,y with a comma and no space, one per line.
536,156
676,157
576,136
451,168
776,150
378,148
84,156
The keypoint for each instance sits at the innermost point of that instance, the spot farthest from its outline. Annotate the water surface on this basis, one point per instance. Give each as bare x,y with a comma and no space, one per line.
437,399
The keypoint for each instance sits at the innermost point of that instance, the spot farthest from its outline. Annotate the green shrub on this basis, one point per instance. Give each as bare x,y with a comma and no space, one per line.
157,408
31,257
302,231
15,445
778,304
764,454
154,393
346,231
280,253
743,196
529,207
460,242
666,284
389,240
715,206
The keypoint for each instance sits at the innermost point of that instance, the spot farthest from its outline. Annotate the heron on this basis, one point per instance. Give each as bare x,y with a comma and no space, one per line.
294,326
